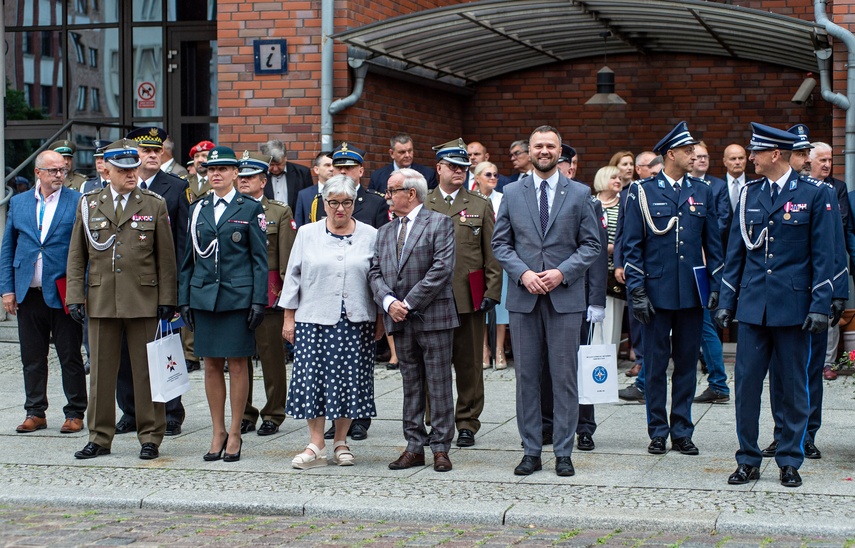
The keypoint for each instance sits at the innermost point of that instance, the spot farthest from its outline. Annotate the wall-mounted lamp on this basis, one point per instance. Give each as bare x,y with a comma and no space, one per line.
605,82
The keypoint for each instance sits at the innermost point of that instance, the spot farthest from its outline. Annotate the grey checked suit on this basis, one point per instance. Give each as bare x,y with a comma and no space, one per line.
422,278
548,322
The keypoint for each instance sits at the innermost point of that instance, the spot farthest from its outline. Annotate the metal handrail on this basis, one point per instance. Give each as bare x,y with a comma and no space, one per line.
65,127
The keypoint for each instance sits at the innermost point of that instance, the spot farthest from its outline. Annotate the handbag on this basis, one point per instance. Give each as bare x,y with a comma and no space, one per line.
597,373
167,370
614,288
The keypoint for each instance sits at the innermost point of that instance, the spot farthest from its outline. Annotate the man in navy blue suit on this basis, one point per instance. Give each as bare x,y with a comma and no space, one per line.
402,152
777,253
32,261
310,207
670,229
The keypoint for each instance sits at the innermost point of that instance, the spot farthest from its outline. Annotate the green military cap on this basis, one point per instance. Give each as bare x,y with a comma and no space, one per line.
64,147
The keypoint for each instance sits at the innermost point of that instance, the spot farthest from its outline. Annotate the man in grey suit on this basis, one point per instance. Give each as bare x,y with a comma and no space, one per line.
410,276
546,237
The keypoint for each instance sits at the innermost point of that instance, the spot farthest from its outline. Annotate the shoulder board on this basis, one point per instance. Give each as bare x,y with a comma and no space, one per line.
755,181
150,193
174,175
277,202
696,179
375,192
816,182
478,195
594,199
199,199
93,192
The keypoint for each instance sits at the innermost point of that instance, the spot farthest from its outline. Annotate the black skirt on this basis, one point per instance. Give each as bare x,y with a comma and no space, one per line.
223,334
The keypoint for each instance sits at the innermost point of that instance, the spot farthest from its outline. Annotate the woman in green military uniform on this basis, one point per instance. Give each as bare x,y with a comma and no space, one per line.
223,293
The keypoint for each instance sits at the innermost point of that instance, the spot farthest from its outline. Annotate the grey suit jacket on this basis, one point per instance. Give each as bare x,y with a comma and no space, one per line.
423,275
571,243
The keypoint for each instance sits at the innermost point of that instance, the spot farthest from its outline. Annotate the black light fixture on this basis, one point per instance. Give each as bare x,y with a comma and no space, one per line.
605,82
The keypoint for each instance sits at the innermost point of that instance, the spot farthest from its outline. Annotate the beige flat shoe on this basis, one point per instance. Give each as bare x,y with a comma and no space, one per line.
305,460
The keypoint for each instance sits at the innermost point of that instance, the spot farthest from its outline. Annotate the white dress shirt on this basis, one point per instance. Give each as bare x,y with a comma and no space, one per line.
45,210
220,207
551,185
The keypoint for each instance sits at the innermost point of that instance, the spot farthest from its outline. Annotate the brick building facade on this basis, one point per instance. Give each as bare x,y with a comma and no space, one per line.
717,96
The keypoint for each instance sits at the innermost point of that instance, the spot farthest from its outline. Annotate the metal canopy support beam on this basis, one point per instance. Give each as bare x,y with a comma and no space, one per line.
512,37
713,33
605,22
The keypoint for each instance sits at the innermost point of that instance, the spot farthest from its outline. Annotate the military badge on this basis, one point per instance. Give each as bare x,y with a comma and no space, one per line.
93,204
294,224
143,237
262,221
236,237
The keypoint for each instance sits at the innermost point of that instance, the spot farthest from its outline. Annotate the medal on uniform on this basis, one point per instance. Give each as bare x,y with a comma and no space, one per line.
142,237
236,237
463,217
95,236
691,204
787,208
134,224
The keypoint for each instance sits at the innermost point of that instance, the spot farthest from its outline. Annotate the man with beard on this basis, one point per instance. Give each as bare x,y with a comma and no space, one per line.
670,230
198,180
546,238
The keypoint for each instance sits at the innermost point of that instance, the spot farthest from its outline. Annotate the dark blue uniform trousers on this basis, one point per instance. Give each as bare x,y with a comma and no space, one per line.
685,327
784,352
818,342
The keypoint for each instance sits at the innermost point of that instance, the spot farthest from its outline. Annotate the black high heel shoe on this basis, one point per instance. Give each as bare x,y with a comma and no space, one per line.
233,457
217,456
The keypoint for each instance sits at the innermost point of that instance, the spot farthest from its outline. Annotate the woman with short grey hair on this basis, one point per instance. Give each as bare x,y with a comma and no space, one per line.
332,321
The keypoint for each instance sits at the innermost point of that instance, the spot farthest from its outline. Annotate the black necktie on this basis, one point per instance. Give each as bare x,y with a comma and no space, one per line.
222,201
143,185
677,187
544,206
774,192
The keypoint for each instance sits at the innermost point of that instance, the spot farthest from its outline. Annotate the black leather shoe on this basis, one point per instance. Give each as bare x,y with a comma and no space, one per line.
547,438
585,442
267,428
528,465
465,438
357,432
91,450
685,446
149,451
657,446
246,426
193,365
126,425
811,452
564,466
173,428
790,476
744,473
770,451
330,434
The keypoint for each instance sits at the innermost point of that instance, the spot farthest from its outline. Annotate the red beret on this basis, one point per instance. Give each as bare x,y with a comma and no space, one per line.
201,147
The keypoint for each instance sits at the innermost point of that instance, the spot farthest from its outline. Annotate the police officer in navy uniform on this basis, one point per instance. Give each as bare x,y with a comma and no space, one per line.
100,179
670,228
778,280
800,162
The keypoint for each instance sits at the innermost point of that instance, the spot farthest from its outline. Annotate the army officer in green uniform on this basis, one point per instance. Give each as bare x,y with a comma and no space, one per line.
122,236
281,230
223,292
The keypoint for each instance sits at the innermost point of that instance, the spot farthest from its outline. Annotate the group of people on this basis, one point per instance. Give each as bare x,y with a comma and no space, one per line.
420,257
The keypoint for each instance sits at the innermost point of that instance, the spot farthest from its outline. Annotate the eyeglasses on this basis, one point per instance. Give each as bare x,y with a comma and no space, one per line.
518,153
454,167
490,175
392,191
54,171
335,204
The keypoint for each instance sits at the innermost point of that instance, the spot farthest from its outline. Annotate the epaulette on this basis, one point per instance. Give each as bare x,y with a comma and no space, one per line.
645,180
93,191
697,179
755,181
378,193
174,175
277,202
594,199
816,182
150,193
479,195
199,199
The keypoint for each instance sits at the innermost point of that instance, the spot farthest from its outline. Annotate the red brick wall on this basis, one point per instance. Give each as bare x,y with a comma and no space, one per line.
717,96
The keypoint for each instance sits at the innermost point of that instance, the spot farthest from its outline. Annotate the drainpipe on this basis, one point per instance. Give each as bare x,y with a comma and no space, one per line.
356,59
836,98
327,27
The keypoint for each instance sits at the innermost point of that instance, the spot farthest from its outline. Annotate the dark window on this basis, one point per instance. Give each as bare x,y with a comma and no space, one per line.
79,48
27,42
47,44
96,100
44,98
93,57
81,98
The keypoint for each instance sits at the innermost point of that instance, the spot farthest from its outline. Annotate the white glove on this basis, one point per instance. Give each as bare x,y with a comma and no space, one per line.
596,314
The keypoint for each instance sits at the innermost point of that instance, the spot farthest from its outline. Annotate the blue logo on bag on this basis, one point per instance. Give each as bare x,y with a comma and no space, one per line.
600,374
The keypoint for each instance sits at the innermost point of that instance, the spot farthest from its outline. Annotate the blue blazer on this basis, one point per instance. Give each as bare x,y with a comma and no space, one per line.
22,245
721,202
664,264
303,209
379,177
778,284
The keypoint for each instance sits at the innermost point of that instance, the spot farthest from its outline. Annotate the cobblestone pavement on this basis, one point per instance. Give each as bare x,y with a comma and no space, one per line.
50,526
652,500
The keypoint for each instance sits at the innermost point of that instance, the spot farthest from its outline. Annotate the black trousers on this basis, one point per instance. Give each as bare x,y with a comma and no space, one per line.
125,392
36,322
587,422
